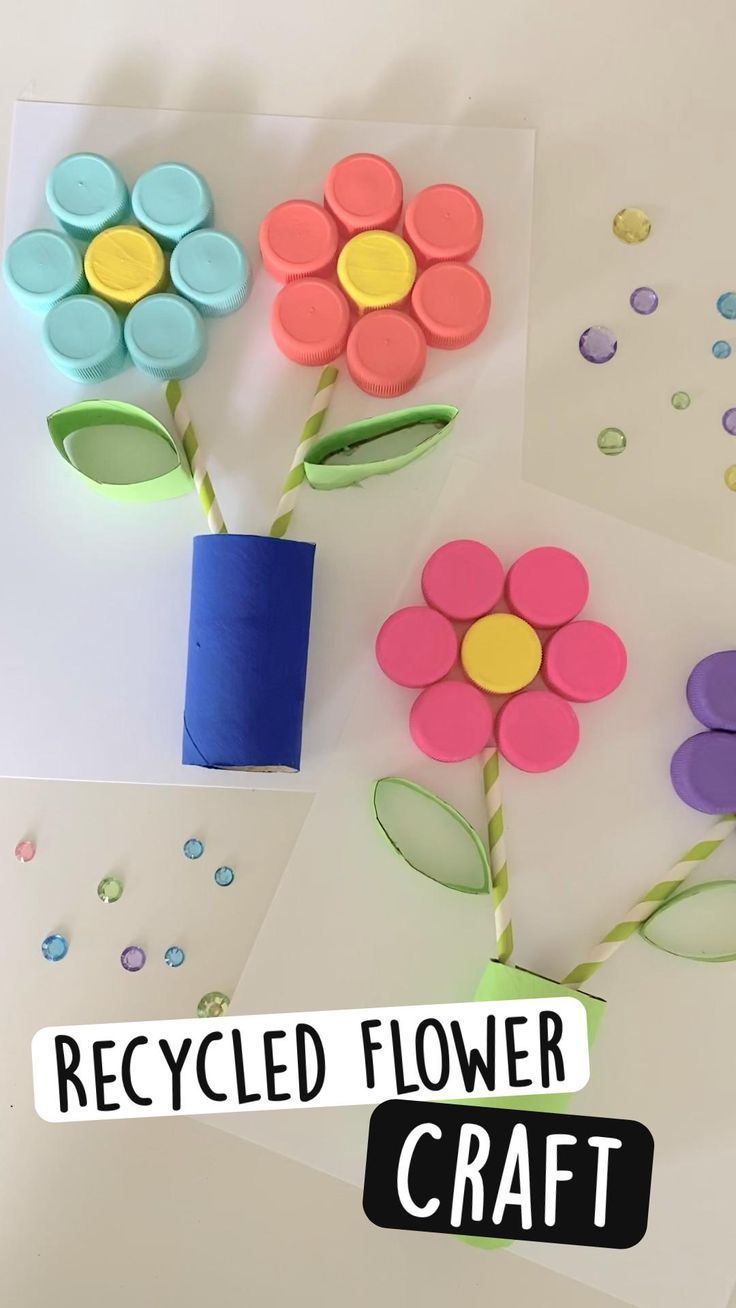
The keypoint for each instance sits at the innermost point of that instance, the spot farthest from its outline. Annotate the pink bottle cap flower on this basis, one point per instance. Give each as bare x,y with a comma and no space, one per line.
463,579
547,586
451,721
584,661
537,731
416,646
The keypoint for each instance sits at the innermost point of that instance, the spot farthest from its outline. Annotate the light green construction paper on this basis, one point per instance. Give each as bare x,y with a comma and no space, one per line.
456,818
500,981
332,476
115,413
650,929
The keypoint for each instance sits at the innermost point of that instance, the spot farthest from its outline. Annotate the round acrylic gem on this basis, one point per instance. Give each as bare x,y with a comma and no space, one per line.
598,344
611,440
193,848
729,476
174,956
110,889
681,400
133,958
726,304
55,947
721,350
25,850
644,300
632,226
729,421
213,1004
224,876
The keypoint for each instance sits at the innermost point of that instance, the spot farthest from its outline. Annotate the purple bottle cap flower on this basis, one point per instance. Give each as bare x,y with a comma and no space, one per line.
711,690
703,772
598,344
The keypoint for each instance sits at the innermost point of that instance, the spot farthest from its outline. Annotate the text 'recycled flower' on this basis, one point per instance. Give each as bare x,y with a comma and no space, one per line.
352,282
459,648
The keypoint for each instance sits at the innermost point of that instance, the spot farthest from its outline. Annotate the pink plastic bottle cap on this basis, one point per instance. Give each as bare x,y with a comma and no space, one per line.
416,646
451,721
364,191
310,320
452,303
547,586
386,353
463,579
537,731
584,661
443,222
298,239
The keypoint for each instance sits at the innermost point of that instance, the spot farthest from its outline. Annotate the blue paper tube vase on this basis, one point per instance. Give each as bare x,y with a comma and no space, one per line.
248,644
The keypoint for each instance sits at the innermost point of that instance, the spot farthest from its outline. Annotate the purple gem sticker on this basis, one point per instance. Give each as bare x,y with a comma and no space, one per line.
598,344
133,958
729,421
644,300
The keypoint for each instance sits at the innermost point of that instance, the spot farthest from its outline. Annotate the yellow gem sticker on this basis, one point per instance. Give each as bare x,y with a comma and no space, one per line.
124,264
376,269
501,653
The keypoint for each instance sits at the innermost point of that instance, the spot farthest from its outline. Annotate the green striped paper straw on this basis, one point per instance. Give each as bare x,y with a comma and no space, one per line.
652,900
185,430
320,405
497,851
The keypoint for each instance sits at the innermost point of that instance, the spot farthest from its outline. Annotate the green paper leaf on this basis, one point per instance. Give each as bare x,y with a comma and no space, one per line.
121,451
431,836
383,444
699,923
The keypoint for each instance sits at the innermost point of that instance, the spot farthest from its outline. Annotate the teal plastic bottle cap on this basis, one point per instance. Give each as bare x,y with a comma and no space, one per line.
83,338
165,337
211,270
86,193
42,267
170,201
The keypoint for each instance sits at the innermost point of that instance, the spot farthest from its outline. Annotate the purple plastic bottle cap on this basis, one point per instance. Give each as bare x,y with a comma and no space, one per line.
703,772
711,690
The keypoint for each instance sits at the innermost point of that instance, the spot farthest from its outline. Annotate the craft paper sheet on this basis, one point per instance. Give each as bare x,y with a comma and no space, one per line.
92,681
583,843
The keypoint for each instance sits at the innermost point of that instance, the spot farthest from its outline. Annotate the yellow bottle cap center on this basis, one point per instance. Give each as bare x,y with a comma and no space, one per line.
501,653
376,269
123,264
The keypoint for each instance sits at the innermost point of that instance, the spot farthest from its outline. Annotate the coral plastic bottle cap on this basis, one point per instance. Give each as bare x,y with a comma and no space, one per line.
501,653
310,320
86,193
711,690
123,265
463,579
443,222
377,269
451,721
298,239
537,731
452,303
165,337
170,200
584,661
547,586
364,191
211,270
416,646
703,771
41,267
386,353
83,338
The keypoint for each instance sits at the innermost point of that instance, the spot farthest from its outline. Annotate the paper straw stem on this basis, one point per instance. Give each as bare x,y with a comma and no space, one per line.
652,900
186,433
320,405
497,851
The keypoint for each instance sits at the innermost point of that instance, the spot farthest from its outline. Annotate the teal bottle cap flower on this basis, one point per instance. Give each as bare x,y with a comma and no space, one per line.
41,268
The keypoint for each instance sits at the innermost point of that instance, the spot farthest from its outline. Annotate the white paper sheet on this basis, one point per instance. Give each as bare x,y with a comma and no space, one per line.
584,842
91,683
